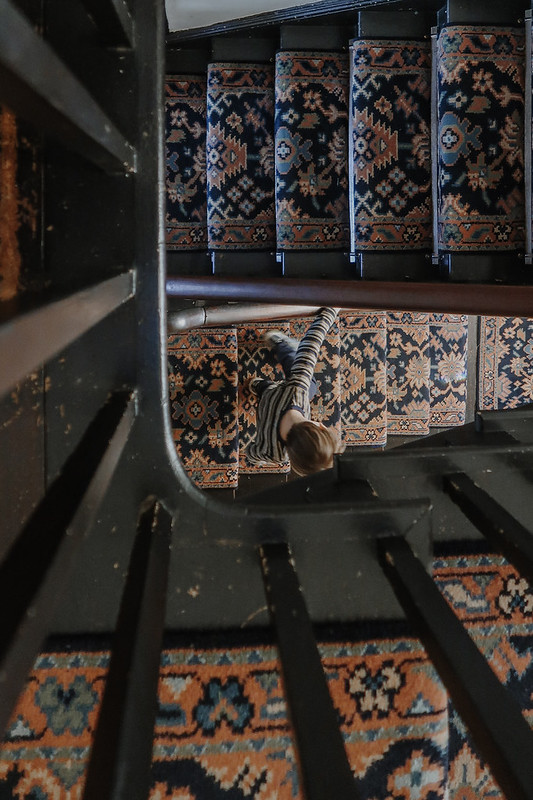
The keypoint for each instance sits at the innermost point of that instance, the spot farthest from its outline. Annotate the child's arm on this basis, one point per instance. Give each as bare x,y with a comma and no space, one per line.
309,348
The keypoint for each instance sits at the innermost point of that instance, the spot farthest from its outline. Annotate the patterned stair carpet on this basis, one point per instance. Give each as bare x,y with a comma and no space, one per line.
203,373
223,731
390,145
240,156
185,126
505,376
311,150
283,172
379,374
481,144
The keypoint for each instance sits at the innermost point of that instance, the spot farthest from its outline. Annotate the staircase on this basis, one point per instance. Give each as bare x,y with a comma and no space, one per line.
102,531
379,375
402,158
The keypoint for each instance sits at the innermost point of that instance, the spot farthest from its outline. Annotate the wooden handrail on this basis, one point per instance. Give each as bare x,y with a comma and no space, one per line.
454,298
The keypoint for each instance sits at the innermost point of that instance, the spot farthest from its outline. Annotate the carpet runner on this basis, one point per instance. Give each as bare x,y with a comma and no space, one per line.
505,375
480,138
202,372
408,373
240,156
185,126
379,374
390,145
311,150
222,729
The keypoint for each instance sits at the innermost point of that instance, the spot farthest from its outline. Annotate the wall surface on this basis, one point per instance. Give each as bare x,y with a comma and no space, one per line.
185,14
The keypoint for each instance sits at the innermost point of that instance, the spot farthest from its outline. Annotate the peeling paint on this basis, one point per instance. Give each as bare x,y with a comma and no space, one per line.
10,260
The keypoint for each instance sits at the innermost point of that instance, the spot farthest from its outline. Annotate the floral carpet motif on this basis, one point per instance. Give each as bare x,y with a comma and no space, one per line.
222,728
408,373
186,212
389,145
311,120
202,373
326,404
240,156
505,378
448,338
480,138
255,360
496,606
363,377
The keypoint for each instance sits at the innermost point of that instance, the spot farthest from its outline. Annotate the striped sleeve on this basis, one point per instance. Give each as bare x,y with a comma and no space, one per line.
309,348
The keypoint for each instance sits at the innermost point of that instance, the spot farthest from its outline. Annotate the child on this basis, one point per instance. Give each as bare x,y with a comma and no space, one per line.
283,411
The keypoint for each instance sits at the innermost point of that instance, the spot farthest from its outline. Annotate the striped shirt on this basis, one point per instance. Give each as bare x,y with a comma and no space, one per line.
279,396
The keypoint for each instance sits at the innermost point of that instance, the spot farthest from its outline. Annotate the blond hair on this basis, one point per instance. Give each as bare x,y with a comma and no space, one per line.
311,448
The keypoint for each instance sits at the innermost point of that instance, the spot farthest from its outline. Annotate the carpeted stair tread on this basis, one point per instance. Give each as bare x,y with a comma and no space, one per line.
203,372
363,377
326,405
311,119
408,373
240,156
480,138
390,145
256,359
448,354
185,132
505,372
222,725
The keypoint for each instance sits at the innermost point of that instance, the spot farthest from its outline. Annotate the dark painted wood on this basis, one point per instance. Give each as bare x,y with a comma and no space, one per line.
389,24
121,754
32,330
113,20
36,85
313,37
255,49
323,762
491,713
34,572
503,531
494,12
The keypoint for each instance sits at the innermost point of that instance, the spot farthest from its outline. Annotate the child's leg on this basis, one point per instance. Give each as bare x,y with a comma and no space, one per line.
285,355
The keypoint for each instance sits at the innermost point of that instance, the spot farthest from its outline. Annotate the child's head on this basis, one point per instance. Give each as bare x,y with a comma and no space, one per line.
311,447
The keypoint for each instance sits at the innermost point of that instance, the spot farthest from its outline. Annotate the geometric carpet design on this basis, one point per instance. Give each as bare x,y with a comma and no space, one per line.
408,373
390,145
240,156
311,119
363,377
202,370
448,356
186,200
378,374
505,376
223,730
480,138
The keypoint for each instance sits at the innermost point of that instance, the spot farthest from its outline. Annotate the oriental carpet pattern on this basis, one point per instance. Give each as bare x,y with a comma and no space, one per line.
240,156
408,373
363,377
448,335
480,138
202,373
505,376
311,120
256,359
222,728
390,146
185,126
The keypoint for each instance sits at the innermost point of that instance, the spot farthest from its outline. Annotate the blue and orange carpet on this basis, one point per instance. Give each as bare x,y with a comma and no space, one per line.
223,730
